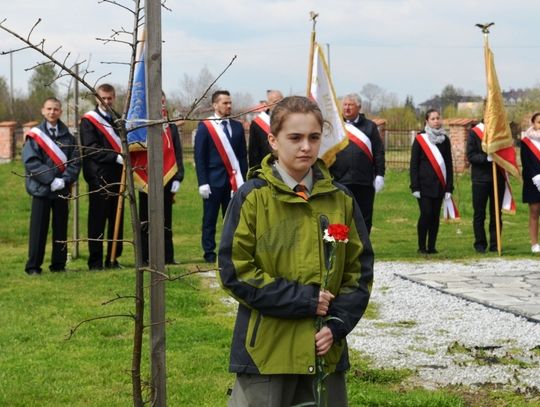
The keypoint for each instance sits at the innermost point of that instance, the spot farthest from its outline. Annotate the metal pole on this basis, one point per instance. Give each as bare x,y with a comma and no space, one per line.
75,253
12,98
155,203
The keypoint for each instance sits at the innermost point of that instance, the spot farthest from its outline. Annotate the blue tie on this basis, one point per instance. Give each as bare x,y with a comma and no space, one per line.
226,128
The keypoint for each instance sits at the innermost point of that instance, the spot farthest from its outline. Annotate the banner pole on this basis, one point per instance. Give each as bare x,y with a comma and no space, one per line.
313,17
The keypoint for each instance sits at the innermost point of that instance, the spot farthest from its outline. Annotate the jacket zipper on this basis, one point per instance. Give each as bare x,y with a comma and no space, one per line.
255,329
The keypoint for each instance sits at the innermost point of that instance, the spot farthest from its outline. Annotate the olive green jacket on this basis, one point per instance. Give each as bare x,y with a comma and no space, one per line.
272,261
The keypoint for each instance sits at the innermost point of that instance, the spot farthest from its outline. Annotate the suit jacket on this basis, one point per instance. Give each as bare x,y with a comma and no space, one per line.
423,176
481,168
258,147
99,158
208,162
40,168
178,154
352,165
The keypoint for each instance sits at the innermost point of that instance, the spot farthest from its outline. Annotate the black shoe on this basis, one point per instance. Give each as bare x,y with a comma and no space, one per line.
33,272
493,249
480,249
172,262
422,251
432,251
57,270
210,258
112,265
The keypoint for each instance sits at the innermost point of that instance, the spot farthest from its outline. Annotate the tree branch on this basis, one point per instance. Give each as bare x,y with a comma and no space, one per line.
74,329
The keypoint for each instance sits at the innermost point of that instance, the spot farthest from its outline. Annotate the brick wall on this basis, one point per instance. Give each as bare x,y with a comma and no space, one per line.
7,141
459,131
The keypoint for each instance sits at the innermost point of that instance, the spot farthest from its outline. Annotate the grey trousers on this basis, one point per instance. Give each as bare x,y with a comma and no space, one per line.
285,390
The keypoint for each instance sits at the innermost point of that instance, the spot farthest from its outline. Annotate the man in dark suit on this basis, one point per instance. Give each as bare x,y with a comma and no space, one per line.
102,169
169,191
258,146
221,164
358,170
483,191
51,162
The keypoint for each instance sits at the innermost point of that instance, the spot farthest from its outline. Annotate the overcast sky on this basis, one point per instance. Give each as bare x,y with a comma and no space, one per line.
408,47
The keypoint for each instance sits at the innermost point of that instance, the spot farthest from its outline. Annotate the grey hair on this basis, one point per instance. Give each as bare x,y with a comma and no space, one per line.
354,96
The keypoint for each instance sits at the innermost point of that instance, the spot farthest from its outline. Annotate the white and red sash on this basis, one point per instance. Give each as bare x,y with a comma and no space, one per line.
56,154
436,160
534,146
359,138
263,121
226,153
106,129
508,203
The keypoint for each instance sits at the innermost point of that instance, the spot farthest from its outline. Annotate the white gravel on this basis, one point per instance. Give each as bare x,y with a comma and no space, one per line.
417,327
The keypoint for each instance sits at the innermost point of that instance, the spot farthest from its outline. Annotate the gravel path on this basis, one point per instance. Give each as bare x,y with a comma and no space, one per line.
447,340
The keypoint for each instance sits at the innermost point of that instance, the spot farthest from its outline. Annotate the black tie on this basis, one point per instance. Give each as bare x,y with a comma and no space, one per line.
52,130
226,128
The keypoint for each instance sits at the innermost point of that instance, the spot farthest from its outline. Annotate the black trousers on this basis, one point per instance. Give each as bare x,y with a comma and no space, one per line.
101,212
219,199
428,222
365,197
143,216
39,228
482,192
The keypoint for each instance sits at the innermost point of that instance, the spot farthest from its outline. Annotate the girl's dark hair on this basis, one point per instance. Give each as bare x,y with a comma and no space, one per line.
429,112
293,104
534,116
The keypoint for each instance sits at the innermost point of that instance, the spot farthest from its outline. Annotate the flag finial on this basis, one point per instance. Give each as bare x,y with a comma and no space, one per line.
485,27
313,17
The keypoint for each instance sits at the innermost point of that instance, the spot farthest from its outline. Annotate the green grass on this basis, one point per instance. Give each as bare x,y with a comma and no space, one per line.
40,367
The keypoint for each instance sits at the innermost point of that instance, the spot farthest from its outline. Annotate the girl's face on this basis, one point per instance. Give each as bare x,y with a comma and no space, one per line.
297,144
536,122
434,120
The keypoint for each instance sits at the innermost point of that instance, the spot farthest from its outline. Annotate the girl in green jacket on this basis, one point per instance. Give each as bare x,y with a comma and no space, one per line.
274,262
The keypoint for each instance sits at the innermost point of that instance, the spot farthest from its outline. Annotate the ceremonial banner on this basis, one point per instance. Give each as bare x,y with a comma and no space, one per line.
137,115
498,140
334,137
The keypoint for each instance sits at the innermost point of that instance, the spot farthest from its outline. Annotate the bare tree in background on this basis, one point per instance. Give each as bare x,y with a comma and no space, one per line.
191,88
67,68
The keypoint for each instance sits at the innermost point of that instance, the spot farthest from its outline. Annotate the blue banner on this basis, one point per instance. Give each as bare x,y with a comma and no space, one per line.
137,108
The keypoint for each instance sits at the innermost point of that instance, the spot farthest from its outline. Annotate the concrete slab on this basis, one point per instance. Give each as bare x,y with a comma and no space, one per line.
515,291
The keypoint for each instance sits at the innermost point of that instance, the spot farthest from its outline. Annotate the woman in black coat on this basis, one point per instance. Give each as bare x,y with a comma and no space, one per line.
530,160
431,150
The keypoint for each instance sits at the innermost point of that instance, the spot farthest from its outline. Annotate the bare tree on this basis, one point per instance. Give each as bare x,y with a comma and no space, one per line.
371,94
67,68
192,87
198,95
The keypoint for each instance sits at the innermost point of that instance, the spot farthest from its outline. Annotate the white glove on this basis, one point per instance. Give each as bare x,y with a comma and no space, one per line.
489,158
447,195
57,184
536,180
416,194
204,191
120,159
378,183
175,186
